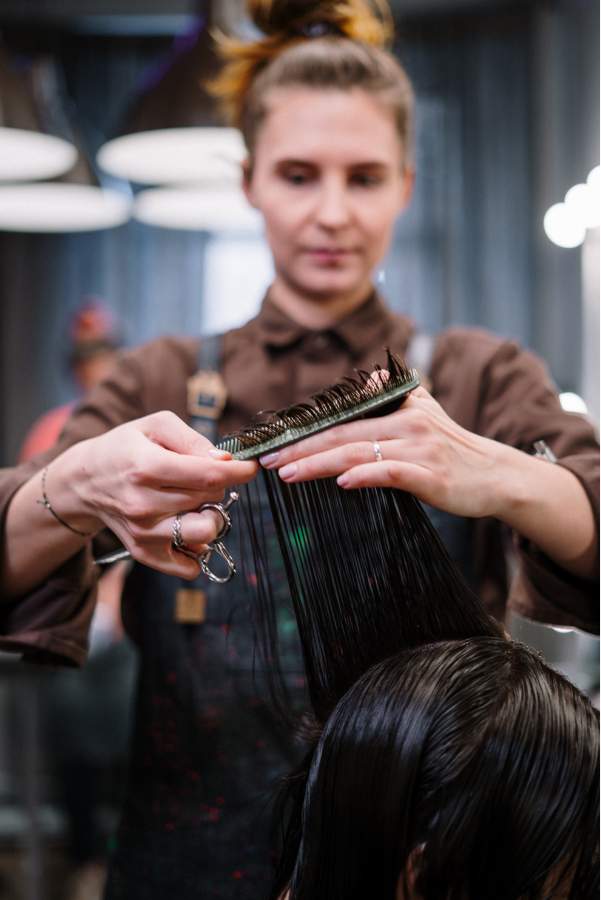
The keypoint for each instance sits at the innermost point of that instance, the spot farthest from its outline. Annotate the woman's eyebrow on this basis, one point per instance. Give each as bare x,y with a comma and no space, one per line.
372,164
291,161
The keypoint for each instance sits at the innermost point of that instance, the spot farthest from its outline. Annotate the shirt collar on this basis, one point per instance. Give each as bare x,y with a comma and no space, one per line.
368,325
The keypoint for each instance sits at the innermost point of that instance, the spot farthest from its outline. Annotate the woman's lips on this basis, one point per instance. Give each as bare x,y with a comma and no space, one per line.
329,254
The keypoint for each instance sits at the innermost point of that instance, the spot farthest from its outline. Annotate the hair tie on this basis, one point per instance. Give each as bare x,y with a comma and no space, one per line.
319,29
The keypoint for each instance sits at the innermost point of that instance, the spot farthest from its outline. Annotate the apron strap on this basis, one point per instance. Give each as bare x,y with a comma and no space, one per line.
206,390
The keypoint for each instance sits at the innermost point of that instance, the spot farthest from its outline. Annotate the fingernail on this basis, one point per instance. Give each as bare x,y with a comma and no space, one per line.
220,454
268,460
342,481
288,471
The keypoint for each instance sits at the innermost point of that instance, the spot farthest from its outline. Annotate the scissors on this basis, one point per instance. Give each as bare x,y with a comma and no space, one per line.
215,548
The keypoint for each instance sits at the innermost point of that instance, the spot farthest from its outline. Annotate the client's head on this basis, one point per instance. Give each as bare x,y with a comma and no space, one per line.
462,770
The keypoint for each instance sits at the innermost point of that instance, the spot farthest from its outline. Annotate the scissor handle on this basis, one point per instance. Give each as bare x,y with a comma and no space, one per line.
203,559
222,551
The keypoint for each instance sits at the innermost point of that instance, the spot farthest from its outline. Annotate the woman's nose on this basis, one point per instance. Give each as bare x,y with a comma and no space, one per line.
332,206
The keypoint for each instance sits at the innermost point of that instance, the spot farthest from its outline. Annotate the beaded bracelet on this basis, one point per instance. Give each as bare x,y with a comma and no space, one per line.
45,502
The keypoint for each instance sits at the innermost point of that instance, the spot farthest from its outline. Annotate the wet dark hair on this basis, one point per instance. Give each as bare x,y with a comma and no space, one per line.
462,770
368,576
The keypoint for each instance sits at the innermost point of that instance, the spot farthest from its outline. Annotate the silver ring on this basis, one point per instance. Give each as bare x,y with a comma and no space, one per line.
177,541
377,451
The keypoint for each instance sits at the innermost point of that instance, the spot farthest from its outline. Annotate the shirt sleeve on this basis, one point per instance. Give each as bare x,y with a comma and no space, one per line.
519,405
51,622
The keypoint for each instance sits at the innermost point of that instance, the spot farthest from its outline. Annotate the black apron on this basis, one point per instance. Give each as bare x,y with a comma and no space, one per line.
208,748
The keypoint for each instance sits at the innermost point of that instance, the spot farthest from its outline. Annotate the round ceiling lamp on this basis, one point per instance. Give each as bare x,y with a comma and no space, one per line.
30,155
175,155
195,208
44,208
566,223
583,201
593,179
563,227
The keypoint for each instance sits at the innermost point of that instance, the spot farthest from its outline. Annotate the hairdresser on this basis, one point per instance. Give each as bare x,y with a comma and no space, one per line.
326,114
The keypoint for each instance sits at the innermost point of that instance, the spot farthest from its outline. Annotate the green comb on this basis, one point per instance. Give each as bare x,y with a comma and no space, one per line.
350,399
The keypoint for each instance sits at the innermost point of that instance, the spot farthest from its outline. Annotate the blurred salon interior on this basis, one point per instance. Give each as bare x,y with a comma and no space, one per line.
122,219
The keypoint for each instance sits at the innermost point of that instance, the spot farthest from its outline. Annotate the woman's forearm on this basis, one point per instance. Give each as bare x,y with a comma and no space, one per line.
36,543
546,504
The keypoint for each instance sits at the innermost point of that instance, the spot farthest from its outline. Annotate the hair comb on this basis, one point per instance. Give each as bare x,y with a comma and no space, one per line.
365,394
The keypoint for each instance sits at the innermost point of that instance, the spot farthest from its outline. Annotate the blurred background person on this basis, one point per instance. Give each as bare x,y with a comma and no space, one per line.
93,343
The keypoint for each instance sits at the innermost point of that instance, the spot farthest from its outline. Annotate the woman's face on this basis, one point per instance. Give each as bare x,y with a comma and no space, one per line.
328,177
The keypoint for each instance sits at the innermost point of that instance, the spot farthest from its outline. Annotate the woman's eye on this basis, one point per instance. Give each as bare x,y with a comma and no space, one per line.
363,179
296,178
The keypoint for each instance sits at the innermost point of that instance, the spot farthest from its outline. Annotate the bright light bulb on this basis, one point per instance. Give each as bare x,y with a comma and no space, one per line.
593,182
592,178
562,226
573,403
583,202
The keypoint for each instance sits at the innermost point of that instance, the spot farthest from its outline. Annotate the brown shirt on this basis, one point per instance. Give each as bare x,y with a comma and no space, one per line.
488,385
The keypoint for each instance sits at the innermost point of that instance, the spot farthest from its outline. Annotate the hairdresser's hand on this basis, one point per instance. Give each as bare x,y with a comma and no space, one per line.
136,477
423,452
426,453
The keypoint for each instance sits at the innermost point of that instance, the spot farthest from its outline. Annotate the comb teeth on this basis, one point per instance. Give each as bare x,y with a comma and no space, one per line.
339,403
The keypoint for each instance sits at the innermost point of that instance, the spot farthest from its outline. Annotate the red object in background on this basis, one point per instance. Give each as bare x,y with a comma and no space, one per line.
92,325
45,432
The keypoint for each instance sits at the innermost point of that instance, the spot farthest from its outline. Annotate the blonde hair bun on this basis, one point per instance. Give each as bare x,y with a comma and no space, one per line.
361,20
336,44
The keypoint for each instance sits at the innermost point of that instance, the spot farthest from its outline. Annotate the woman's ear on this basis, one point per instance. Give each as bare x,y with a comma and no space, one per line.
407,183
406,884
247,174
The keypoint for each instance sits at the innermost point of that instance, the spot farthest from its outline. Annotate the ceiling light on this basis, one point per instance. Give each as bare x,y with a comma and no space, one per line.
583,203
565,223
175,156
593,181
562,227
196,208
573,403
60,208
29,155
